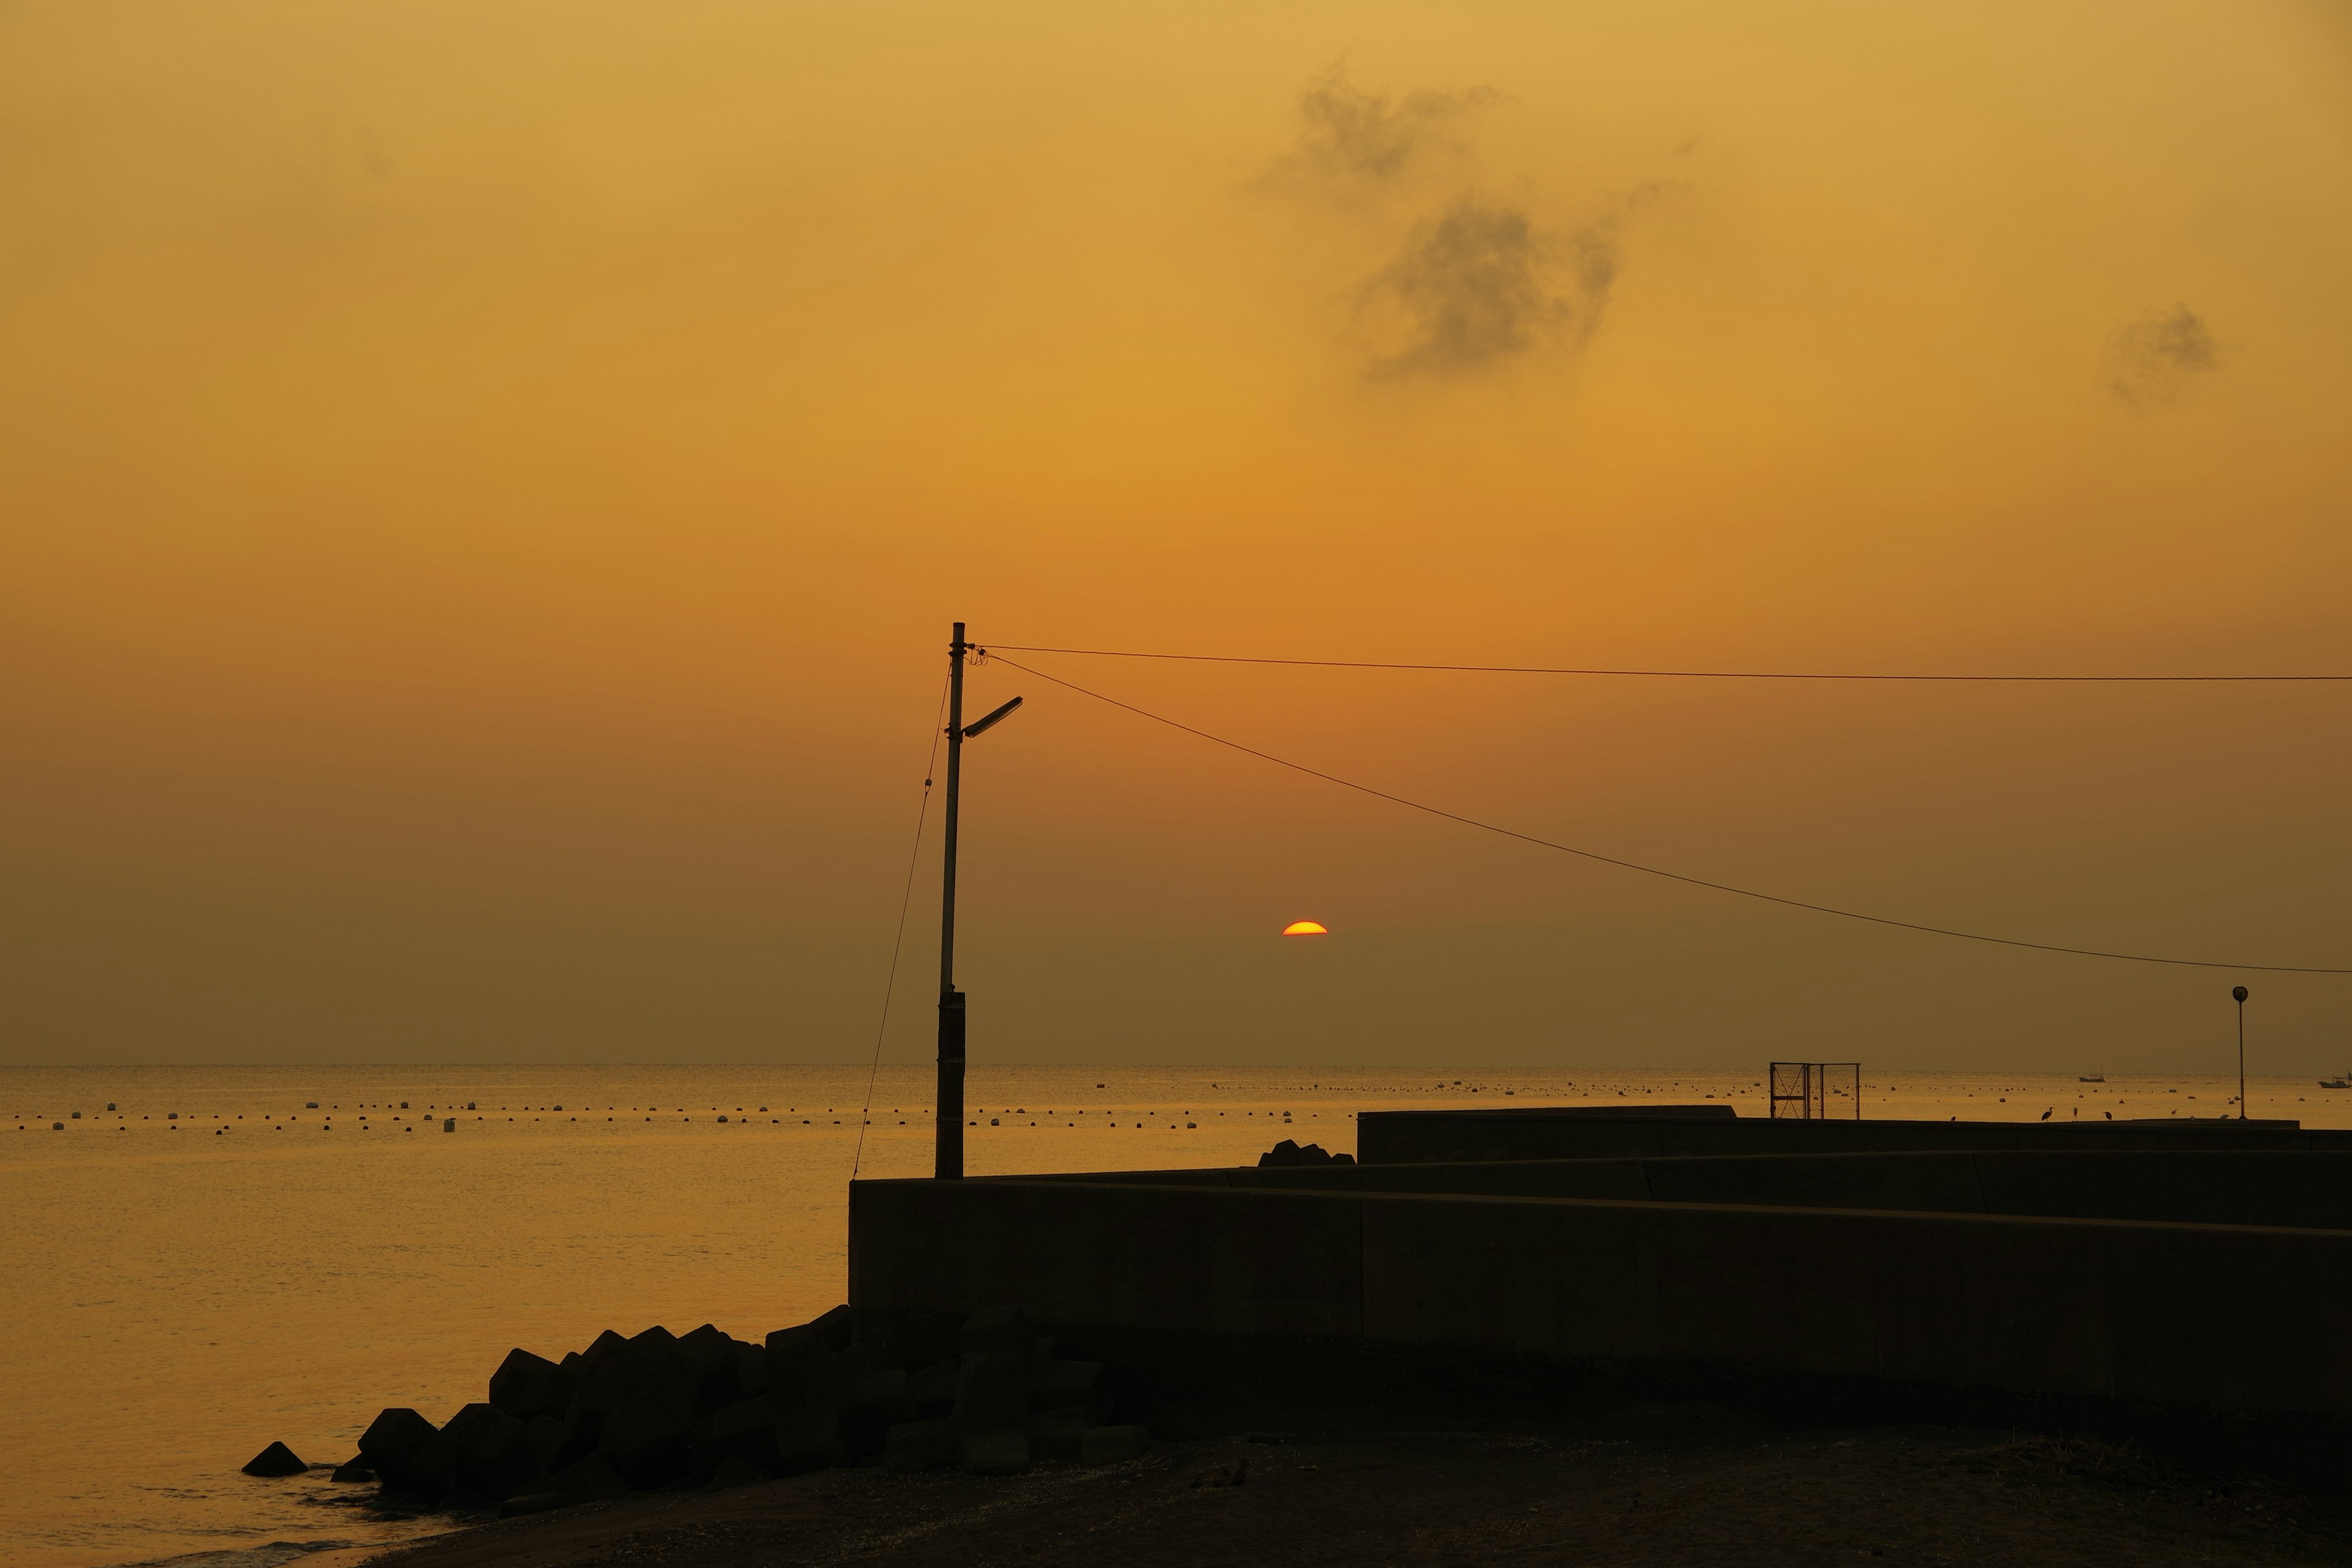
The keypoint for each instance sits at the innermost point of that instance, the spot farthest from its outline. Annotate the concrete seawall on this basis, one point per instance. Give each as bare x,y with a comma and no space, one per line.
1399,1137
2242,1319
2209,1187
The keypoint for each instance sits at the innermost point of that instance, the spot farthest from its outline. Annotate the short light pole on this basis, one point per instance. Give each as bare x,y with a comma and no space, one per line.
2239,993
947,1135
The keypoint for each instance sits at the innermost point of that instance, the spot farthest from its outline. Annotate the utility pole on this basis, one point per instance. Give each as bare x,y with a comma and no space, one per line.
948,1164
2239,993
948,1131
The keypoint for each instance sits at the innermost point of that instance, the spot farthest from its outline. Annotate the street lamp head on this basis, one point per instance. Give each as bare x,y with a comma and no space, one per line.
2238,992
977,725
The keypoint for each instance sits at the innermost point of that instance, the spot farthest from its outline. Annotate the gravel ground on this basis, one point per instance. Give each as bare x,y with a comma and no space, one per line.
1682,1484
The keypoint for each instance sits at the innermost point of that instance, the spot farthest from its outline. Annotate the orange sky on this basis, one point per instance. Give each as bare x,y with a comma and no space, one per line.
483,488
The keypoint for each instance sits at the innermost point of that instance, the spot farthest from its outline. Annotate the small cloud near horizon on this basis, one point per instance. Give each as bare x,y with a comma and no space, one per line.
1348,133
2150,360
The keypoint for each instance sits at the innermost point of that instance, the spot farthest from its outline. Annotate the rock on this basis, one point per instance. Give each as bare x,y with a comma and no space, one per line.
799,1368
692,1481
425,1476
999,1328
745,1430
649,1437
735,1472
554,1445
1343,1159
871,1402
276,1460
494,1453
394,1439
1057,1384
1059,1434
993,1453
920,1445
642,1372
1235,1474
1109,1445
933,1389
534,1502
808,1438
751,1369
352,1471
590,1479
604,1345
708,1357
836,1328
993,1394
526,1385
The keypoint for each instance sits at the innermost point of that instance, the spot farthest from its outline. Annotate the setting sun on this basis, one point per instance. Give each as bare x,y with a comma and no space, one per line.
1304,928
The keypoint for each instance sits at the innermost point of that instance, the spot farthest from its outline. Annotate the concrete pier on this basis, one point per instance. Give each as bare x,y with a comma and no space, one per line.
2148,1264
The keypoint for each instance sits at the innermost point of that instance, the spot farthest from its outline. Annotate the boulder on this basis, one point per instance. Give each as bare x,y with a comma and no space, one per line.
993,1394
1059,1434
920,1445
553,1445
644,1371
751,1369
395,1438
745,1430
808,1438
429,1478
276,1460
799,1369
706,1360
526,1385
999,1328
534,1502
604,1344
871,1402
591,1479
353,1472
993,1453
1109,1445
494,1453
409,1455
735,1472
932,1390
649,1436
1057,1385
837,1327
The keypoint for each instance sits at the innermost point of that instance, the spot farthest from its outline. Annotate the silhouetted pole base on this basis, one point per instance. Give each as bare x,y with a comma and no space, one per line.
949,1132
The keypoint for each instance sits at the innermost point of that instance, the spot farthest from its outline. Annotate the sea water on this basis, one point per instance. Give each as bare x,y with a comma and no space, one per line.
233,1256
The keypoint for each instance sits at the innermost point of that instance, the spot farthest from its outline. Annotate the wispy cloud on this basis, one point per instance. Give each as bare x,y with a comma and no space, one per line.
1348,134
2148,360
1481,284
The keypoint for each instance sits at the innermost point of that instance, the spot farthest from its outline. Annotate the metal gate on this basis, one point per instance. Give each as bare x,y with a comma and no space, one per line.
1814,1091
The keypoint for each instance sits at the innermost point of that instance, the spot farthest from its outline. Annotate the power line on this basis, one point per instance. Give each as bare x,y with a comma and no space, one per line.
899,940
1654,870
1668,674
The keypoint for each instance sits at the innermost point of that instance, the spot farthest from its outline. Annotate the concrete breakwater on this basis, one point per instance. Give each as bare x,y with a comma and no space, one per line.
662,1412
2174,1267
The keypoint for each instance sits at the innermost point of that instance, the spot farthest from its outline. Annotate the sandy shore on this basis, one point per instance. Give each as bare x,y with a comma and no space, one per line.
1666,1485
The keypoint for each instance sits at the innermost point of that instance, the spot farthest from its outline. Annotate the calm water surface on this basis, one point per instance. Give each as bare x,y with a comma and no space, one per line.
183,1292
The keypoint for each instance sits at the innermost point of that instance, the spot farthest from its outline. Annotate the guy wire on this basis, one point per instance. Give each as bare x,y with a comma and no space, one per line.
899,940
1652,870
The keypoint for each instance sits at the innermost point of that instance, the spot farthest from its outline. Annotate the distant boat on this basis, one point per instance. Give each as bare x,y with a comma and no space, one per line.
2335,1083
2092,1078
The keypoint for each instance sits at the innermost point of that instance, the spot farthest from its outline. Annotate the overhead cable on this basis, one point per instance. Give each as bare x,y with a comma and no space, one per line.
1665,674
995,651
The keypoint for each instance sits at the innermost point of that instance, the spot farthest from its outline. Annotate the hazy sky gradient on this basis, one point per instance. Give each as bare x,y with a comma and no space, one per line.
483,488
